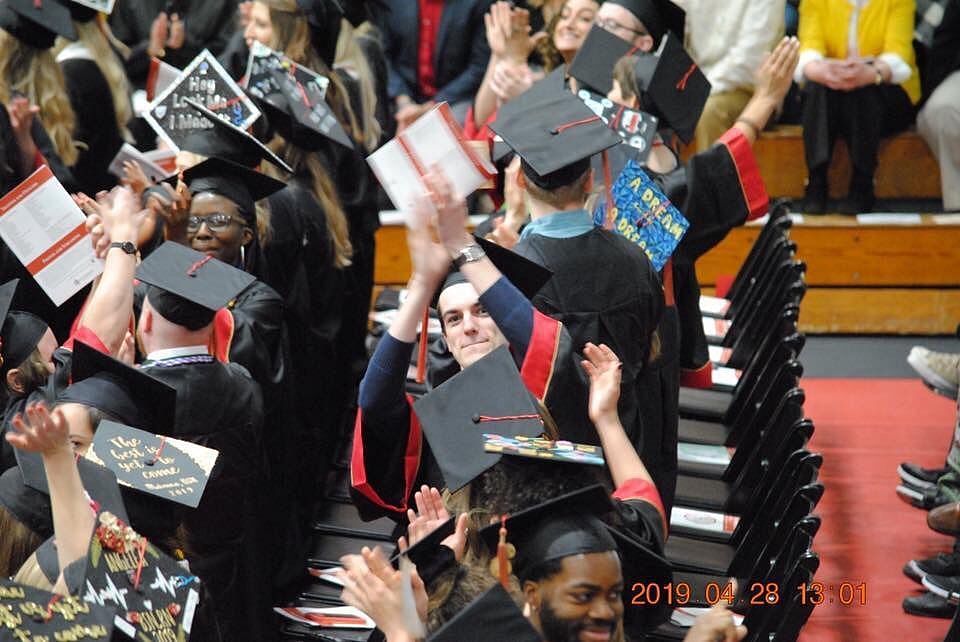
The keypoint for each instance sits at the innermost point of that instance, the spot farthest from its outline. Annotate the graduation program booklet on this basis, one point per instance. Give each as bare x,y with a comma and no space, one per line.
45,230
156,164
434,139
644,215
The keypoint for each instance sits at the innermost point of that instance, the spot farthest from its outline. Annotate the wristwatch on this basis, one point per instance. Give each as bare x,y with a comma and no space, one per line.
468,254
126,246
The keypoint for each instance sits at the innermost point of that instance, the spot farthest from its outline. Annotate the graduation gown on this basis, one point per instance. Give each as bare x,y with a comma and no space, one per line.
720,189
391,460
219,406
605,290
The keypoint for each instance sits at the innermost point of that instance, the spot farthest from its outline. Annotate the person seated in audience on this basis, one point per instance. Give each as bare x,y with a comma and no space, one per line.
435,52
860,83
939,118
729,40
480,310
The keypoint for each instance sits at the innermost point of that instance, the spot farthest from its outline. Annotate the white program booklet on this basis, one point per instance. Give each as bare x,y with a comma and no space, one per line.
713,306
434,139
157,164
45,230
723,376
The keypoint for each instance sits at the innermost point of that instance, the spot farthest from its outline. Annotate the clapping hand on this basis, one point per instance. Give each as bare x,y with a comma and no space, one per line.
40,431
775,75
604,370
429,516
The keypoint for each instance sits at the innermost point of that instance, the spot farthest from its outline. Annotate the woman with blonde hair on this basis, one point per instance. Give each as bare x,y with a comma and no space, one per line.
97,86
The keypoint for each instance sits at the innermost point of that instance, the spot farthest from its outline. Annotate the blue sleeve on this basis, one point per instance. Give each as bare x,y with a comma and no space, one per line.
513,314
382,387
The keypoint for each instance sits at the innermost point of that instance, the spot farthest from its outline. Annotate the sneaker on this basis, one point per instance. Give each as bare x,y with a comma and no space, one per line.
939,370
929,605
926,498
918,476
941,564
945,586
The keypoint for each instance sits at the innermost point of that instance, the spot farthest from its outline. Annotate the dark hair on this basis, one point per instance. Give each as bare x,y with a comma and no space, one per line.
17,544
542,571
514,484
30,375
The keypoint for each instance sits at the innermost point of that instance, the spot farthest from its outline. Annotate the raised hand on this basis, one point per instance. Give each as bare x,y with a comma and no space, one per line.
372,585
134,178
604,370
775,74
430,515
510,79
178,32
159,34
41,431
451,211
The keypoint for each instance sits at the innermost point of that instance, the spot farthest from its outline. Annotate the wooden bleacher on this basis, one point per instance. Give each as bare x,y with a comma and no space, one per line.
882,277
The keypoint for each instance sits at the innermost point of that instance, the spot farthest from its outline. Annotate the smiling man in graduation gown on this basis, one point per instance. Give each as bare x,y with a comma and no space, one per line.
389,461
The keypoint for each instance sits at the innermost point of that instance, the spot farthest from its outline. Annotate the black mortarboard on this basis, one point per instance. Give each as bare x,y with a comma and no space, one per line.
86,10
128,394
187,287
308,111
554,134
30,506
36,23
207,82
672,87
488,396
168,468
594,62
639,563
33,614
240,184
526,275
20,332
658,16
226,140
491,616
421,553
100,483
323,17
359,11
154,596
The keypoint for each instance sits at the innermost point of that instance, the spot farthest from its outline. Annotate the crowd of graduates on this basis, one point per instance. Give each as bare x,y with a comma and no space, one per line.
229,325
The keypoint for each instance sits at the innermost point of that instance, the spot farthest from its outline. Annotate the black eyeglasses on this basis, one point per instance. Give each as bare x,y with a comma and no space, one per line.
216,222
613,26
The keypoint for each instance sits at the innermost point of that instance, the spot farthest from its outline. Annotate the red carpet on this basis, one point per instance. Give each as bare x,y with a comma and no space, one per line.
864,428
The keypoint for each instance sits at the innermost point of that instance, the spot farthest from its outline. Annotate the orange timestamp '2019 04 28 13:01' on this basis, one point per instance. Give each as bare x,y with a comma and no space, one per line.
755,594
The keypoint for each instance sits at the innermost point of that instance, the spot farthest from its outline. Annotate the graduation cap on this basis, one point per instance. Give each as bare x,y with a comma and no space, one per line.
32,614
128,394
168,468
359,11
323,18
526,275
36,23
204,81
491,616
594,62
20,333
308,111
554,133
187,287
153,595
30,506
672,87
487,396
422,551
226,140
87,10
238,183
100,483
658,16
540,449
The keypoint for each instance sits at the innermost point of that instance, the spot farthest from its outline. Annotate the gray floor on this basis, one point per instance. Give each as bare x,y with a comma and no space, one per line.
873,356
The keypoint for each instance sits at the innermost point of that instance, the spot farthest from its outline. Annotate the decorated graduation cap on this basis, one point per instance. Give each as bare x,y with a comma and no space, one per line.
554,134
658,16
491,616
672,87
165,467
20,333
125,393
27,613
487,396
226,140
153,596
100,483
570,525
526,275
594,62
204,81
30,506
36,23
187,287
308,111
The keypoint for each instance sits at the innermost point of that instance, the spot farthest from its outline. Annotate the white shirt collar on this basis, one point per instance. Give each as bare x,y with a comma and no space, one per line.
171,353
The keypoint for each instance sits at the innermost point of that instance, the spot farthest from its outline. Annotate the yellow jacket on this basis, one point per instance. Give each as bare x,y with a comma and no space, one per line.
884,26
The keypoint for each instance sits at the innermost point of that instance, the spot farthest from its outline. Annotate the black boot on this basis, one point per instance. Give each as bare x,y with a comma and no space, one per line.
815,193
861,198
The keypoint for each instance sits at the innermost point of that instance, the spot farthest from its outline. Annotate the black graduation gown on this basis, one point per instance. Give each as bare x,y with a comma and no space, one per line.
30,297
219,406
96,119
605,290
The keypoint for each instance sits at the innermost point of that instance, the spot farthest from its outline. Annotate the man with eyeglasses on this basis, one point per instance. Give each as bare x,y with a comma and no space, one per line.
641,22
